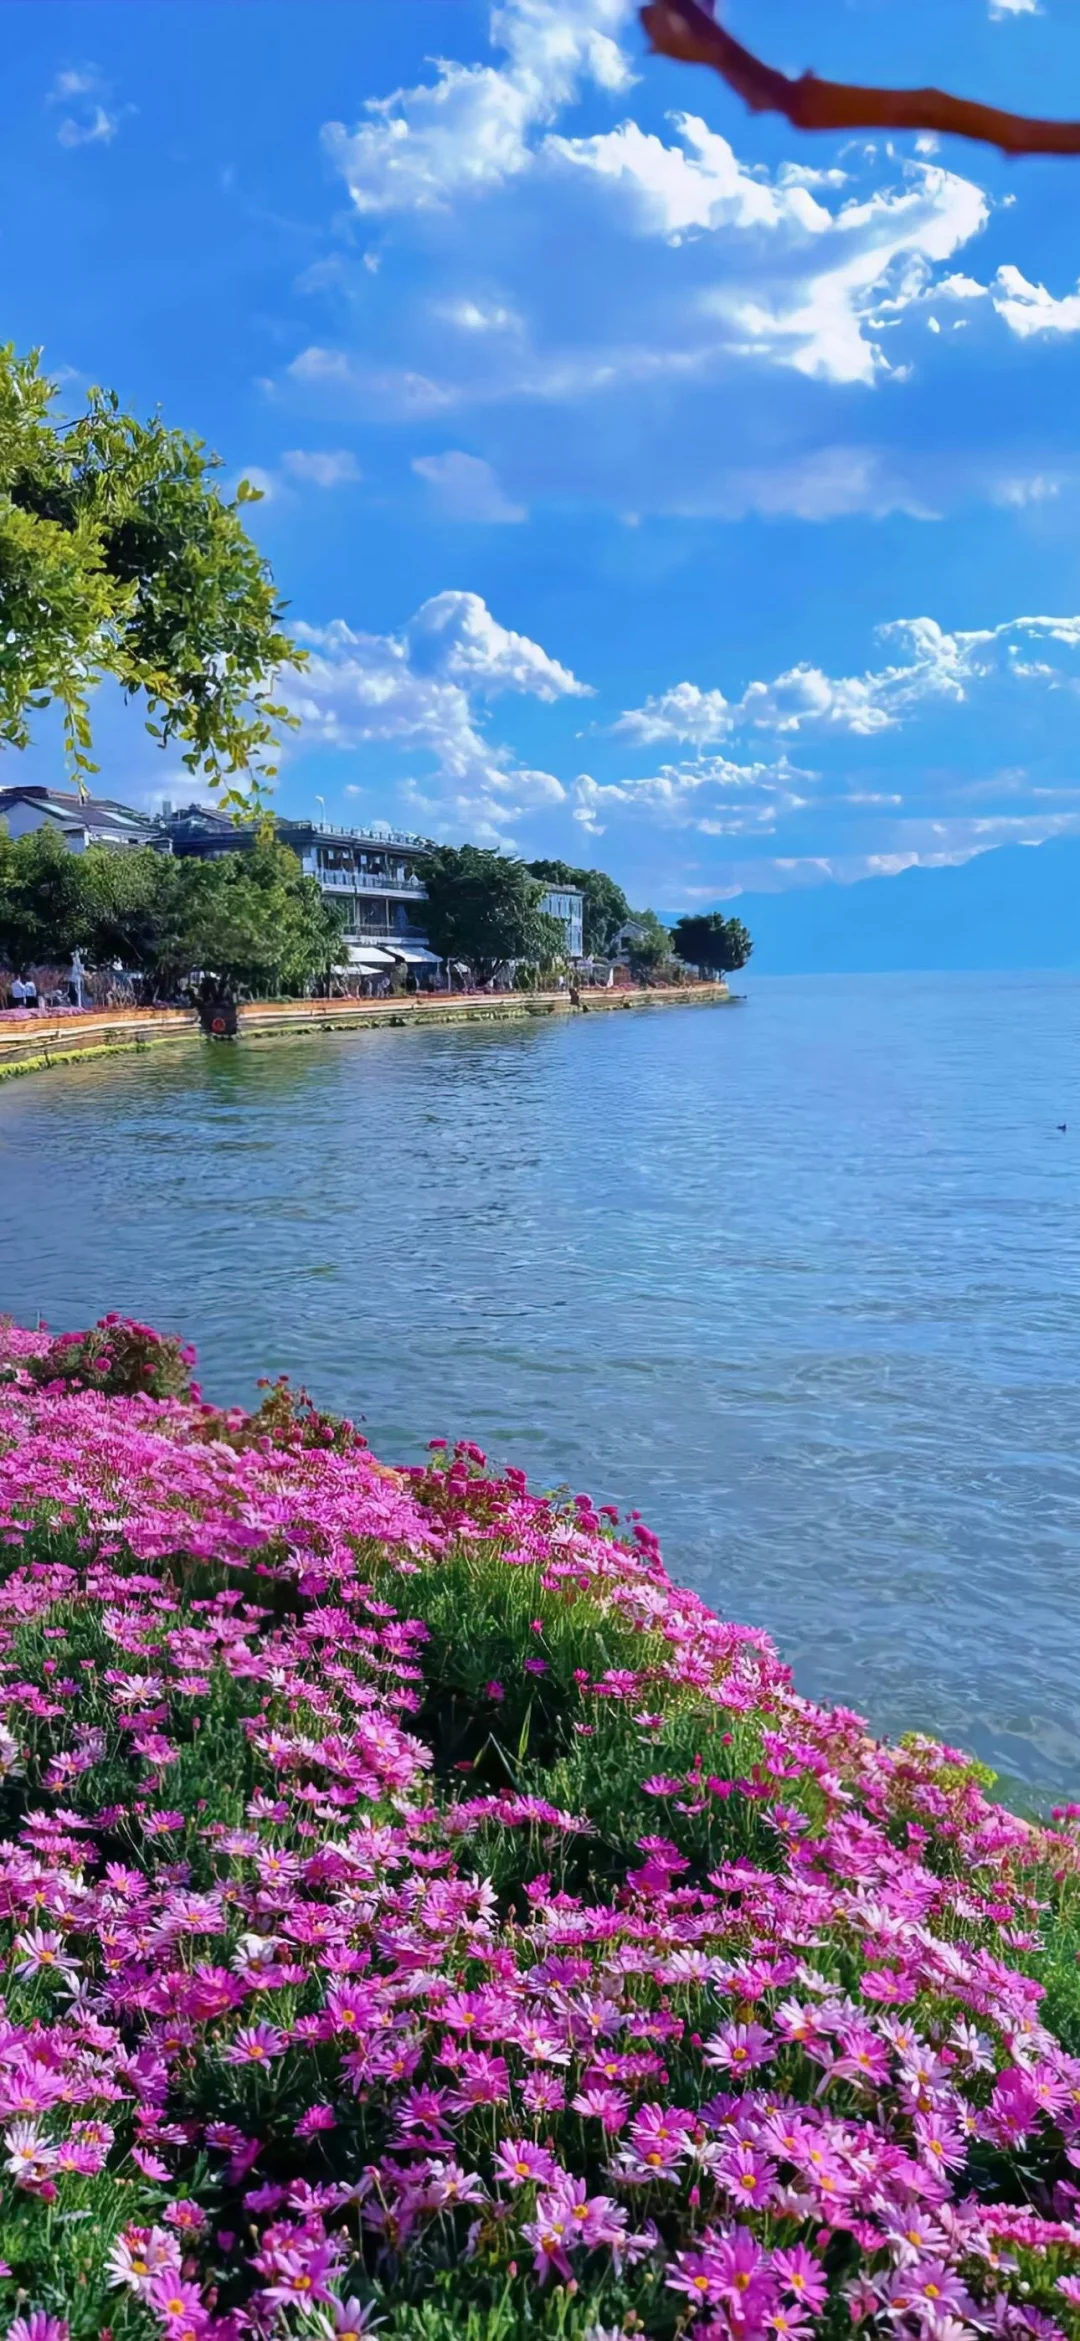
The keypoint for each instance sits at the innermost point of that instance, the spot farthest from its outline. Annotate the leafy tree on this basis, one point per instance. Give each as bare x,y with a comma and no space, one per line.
707,939
651,945
41,908
127,898
485,908
118,556
606,906
253,918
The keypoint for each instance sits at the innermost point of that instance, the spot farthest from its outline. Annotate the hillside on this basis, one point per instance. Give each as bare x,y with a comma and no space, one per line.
1013,908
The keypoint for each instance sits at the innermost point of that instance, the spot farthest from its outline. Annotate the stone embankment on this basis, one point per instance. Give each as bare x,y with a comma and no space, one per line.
30,1044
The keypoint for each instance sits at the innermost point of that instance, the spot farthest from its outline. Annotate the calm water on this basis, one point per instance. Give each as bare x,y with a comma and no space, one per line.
801,1280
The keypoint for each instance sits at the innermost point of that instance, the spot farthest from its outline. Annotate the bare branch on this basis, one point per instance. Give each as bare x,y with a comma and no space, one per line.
685,30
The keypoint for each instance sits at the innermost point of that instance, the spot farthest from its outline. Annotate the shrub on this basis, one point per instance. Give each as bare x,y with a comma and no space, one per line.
416,1911
121,1359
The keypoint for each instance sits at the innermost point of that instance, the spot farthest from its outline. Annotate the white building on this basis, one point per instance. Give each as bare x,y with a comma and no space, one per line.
568,904
80,821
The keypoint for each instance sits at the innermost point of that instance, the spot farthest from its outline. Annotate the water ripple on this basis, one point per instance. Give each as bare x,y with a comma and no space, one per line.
801,1282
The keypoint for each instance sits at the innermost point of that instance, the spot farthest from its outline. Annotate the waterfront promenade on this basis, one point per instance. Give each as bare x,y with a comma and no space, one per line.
36,1041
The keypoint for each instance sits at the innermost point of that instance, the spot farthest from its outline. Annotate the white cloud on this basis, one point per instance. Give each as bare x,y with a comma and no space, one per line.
784,268
1000,9
92,124
469,130
878,260
815,316
97,127
946,845
480,316
612,281
321,467
829,484
683,713
959,287
1029,309
417,690
707,793
938,666
697,185
359,387
467,488
77,81
1038,488
320,365
454,634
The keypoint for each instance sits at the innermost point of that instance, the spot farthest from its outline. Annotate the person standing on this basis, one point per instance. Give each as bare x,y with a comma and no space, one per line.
17,993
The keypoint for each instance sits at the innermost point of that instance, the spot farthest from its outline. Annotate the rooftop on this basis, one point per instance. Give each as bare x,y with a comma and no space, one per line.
67,805
208,817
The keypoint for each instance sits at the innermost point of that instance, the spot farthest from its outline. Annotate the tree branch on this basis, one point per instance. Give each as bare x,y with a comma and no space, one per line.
685,30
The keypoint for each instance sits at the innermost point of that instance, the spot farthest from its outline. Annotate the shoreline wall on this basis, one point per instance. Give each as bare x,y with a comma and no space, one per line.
36,1043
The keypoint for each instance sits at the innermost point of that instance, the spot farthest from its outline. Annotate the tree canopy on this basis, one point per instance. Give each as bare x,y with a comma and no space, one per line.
41,912
650,943
253,918
707,939
119,557
606,906
485,908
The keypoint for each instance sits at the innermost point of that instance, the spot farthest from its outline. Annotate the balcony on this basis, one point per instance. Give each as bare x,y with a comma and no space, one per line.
368,927
368,882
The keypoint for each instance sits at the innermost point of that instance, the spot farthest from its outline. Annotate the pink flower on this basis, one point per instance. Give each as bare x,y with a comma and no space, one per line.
254,2044
738,2048
151,2165
693,2273
316,2118
521,2163
178,2304
799,2274
552,2238
602,2104
349,2321
41,1952
748,2176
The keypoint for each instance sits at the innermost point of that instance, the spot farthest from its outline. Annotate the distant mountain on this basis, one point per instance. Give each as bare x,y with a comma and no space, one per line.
1014,907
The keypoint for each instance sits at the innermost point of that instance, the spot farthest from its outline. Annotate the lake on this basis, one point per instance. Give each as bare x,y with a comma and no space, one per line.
798,1279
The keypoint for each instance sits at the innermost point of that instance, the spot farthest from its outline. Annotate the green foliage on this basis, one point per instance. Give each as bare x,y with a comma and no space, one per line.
651,946
1057,1963
503,2310
487,1715
124,901
253,918
119,1358
118,556
485,908
606,906
707,939
42,913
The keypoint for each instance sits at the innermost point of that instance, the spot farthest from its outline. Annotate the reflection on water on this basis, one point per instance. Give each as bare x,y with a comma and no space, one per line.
800,1280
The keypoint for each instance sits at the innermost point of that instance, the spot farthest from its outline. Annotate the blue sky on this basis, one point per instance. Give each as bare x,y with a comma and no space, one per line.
650,486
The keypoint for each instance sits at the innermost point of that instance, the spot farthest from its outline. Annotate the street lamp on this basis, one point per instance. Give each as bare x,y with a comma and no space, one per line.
322,801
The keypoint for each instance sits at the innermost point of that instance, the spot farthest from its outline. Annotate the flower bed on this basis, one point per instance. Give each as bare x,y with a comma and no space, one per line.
418,1913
